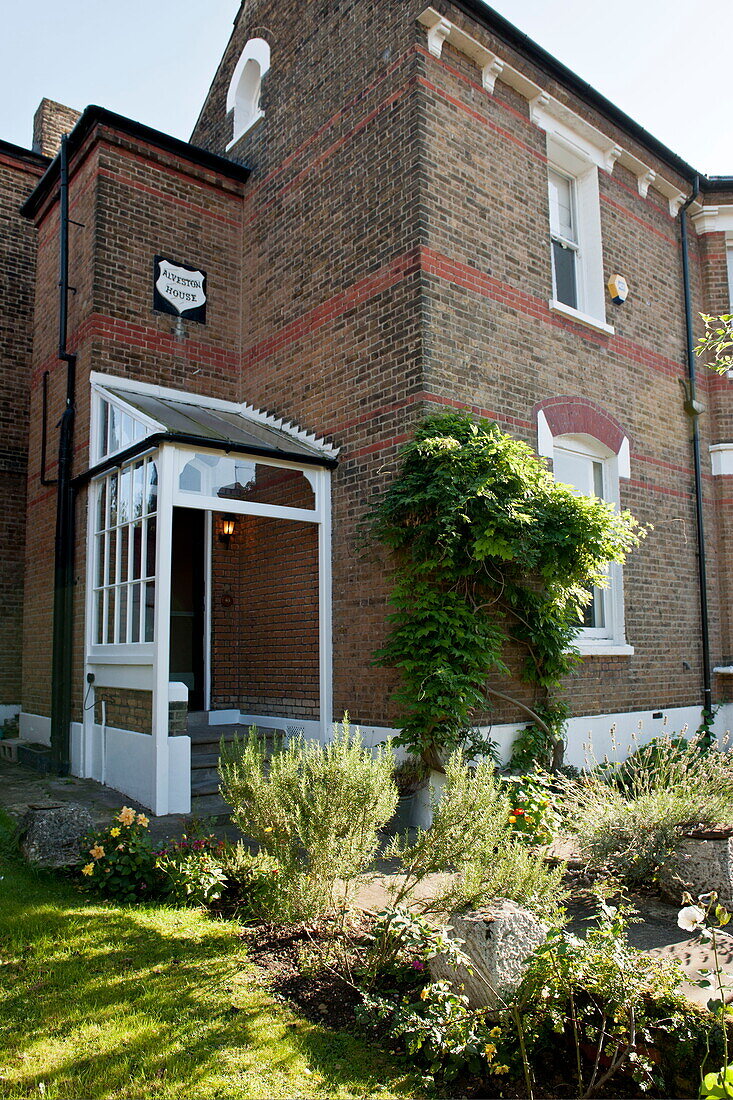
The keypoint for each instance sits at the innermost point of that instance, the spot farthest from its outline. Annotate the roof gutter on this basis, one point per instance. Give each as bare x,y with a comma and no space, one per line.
150,442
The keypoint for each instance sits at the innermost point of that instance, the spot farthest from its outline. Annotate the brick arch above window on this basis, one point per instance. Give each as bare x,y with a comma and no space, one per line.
561,416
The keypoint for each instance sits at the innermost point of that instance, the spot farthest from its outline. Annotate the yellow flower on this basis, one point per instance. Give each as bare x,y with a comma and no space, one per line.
489,1050
88,869
424,994
528,819
126,815
143,820
268,829
495,1032
512,819
115,831
96,852
500,1069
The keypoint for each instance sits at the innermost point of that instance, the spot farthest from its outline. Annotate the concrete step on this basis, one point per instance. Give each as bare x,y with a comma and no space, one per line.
204,760
205,781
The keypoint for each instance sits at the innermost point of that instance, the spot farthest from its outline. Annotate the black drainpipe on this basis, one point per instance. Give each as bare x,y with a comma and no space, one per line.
64,542
693,410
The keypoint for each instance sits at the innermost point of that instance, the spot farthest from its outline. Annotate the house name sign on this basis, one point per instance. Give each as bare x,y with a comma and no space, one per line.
179,289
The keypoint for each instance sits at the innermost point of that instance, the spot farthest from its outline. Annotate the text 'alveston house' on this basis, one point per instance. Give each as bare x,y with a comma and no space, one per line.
385,210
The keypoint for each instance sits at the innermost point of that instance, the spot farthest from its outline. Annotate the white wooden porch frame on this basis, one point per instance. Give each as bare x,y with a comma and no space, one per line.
170,458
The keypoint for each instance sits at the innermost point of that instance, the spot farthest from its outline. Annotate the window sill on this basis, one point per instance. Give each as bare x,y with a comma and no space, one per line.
580,318
603,648
247,129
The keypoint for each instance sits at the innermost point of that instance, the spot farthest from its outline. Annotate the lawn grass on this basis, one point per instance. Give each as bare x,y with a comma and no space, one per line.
105,1001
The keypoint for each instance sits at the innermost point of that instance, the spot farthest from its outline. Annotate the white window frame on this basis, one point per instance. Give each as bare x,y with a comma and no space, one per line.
245,88
610,639
569,161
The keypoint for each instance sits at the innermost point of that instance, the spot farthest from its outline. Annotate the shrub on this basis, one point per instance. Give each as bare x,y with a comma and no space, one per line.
627,817
469,836
123,863
316,809
252,889
439,1030
192,870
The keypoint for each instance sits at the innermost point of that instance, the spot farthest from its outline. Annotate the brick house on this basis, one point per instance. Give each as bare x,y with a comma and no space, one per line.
383,211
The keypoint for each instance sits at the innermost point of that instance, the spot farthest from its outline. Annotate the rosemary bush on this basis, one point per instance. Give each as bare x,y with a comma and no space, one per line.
314,808
470,836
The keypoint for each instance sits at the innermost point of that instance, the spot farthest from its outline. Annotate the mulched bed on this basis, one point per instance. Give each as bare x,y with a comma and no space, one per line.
320,994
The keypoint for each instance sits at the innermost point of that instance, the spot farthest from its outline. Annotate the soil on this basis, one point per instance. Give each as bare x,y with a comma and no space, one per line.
287,953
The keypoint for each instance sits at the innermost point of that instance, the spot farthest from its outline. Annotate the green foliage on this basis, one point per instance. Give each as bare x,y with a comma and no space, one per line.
626,817
316,809
439,1031
253,884
488,550
602,992
123,862
717,1086
717,342
192,870
469,837
533,818
402,939
535,746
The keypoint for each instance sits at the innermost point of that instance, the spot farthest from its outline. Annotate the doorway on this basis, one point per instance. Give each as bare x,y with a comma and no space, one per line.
188,604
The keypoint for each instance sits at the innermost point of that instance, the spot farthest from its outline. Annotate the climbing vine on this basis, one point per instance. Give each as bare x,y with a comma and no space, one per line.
488,551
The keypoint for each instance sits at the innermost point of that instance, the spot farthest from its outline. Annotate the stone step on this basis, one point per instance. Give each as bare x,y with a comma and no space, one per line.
204,760
205,781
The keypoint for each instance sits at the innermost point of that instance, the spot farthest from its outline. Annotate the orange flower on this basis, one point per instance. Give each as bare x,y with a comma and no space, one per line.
96,852
143,820
126,815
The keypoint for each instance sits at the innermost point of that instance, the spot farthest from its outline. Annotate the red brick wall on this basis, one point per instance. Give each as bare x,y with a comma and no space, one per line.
19,173
389,256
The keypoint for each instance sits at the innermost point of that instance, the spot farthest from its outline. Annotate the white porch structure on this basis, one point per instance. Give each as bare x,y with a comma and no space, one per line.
154,449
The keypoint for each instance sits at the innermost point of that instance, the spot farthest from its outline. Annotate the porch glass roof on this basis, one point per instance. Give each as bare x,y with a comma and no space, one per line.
221,427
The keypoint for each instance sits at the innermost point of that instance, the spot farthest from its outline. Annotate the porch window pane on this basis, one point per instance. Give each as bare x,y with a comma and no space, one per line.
237,477
124,549
150,612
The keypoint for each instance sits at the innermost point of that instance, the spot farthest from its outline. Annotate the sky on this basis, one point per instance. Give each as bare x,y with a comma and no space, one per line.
664,62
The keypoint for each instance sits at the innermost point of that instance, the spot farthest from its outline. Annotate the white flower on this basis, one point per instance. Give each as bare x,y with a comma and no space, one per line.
691,918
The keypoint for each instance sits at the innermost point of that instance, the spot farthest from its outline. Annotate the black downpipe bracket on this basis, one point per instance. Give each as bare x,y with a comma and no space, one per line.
693,409
64,542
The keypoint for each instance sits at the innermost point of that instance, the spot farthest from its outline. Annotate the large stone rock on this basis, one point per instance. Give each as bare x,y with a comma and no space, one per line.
703,861
53,836
498,940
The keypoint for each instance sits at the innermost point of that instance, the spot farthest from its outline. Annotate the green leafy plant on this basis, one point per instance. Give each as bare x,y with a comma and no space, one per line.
123,862
717,342
253,884
708,919
402,939
627,817
469,842
533,818
599,992
316,809
438,1029
192,870
489,551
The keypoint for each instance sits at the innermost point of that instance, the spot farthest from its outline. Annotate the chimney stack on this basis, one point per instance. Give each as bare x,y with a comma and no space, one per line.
50,121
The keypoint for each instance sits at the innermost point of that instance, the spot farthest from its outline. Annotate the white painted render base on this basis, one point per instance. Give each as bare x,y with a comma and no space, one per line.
123,759
8,711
